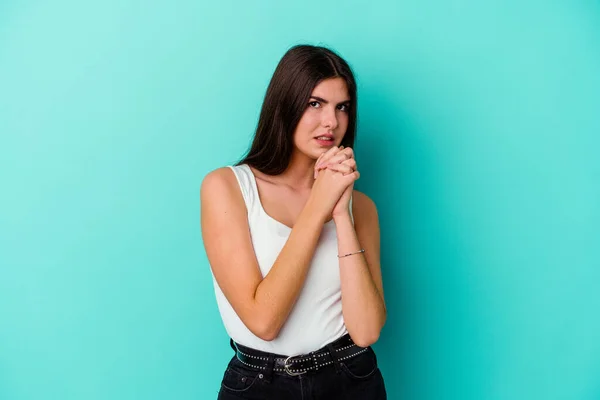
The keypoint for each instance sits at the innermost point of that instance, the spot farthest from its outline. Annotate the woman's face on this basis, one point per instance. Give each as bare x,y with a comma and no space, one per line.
325,118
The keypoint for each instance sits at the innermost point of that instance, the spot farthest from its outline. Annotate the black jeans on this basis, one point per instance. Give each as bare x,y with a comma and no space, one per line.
357,378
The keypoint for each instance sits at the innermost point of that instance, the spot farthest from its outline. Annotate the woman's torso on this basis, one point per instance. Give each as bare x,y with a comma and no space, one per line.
316,318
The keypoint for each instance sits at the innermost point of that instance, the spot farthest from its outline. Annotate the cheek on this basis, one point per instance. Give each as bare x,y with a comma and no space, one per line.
343,121
307,123
303,130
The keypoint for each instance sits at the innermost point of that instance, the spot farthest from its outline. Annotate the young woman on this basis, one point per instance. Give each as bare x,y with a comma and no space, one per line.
293,248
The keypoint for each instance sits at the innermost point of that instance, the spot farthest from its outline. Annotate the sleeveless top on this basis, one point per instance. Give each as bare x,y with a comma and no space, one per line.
316,318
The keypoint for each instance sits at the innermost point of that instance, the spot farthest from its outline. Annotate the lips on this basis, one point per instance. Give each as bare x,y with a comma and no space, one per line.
324,142
325,136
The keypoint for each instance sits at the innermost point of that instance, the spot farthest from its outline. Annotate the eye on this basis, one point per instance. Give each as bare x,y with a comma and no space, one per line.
314,104
343,107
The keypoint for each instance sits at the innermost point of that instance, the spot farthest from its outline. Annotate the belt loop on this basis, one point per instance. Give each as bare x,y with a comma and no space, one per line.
270,365
232,344
336,362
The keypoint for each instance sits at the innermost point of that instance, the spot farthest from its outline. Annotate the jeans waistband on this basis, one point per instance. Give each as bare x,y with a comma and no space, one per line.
341,349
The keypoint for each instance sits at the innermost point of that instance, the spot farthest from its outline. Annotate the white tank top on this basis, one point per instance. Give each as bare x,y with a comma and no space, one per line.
316,318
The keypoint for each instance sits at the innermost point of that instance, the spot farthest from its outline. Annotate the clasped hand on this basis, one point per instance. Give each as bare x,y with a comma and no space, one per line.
339,160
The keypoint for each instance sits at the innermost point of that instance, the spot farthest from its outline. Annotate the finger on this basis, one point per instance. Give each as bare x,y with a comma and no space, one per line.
349,151
350,178
315,168
354,175
318,162
336,159
349,166
330,158
328,154
346,151
320,158
351,162
344,169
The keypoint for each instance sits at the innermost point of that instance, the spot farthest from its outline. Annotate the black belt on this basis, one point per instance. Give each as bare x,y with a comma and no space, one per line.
340,350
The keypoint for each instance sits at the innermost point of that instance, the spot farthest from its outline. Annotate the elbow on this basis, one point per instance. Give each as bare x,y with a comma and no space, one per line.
264,330
266,334
261,321
365,336
365,340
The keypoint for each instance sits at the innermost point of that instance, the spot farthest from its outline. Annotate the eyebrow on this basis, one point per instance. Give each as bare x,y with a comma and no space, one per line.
326,102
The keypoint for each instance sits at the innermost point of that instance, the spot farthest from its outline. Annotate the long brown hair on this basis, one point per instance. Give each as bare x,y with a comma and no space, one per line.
300,69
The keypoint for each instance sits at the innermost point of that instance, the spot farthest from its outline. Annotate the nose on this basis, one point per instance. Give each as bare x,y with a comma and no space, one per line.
329,118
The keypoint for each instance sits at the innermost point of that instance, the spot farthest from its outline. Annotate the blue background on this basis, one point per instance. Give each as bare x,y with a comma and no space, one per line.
478,140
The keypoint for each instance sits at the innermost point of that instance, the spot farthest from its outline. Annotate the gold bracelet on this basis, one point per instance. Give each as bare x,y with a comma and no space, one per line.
349,254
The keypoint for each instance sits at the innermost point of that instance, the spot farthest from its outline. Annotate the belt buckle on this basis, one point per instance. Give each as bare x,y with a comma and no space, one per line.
286,367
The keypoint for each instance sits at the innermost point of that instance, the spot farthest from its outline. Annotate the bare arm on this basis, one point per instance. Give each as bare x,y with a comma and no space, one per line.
263,304
363,304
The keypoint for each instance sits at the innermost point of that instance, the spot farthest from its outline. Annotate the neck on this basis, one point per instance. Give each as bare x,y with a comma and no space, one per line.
299,173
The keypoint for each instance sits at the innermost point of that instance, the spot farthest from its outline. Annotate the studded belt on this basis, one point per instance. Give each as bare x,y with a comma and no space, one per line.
342,349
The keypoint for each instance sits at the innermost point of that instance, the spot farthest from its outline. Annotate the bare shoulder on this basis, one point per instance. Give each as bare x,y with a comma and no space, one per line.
218,180
220,185
228,243
220,196
363,207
